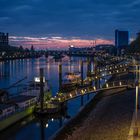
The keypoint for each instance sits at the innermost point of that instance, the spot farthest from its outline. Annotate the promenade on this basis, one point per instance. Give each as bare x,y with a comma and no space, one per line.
111,119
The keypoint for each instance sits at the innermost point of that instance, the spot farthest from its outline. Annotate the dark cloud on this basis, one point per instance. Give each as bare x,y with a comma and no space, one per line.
79,18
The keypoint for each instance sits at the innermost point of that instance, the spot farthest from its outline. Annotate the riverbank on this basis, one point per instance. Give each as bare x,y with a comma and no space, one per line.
83,126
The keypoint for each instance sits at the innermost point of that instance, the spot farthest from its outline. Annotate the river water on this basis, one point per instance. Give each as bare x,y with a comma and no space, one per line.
33,128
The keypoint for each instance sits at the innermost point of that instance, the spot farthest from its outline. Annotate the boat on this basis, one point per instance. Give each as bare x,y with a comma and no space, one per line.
33,89
71,81
14,109
72,77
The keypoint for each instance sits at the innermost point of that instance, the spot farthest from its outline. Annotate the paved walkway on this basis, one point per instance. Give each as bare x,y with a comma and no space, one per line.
110,120
134,133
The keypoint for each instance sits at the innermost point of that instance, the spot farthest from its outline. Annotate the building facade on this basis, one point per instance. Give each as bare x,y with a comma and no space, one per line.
4,39
121,40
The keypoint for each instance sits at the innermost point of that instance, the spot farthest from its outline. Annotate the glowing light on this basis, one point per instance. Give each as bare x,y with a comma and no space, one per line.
107,85
120,83
47,125
70,95
37,79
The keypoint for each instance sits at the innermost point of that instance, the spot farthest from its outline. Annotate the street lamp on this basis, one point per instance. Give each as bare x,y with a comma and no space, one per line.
135,132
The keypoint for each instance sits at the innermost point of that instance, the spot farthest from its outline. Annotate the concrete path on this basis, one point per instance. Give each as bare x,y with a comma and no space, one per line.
134,133
110,120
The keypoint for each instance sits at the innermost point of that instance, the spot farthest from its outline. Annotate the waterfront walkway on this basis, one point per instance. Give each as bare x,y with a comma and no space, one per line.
112,119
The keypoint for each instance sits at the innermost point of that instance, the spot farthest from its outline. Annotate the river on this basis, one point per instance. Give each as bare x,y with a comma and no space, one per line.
32,128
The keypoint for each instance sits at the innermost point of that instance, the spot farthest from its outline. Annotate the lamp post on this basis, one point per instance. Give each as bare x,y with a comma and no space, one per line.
135,132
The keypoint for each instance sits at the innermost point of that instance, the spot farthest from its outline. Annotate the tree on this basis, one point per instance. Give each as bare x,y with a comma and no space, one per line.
135,45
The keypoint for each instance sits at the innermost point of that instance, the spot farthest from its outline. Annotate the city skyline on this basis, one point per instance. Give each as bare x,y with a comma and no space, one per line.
55,42
65,21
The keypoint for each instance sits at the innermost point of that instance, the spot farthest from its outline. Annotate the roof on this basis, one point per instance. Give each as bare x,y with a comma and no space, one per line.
4,106
21,98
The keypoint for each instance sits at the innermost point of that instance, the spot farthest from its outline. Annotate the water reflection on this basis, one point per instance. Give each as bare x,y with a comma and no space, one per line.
37,128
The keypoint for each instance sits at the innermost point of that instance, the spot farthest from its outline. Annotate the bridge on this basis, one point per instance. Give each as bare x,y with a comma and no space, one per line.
70,53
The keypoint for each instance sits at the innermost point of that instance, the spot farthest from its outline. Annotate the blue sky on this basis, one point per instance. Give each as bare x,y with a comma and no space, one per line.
82,19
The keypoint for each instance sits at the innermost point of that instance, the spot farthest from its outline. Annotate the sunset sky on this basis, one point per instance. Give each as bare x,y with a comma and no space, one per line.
55,42
59,23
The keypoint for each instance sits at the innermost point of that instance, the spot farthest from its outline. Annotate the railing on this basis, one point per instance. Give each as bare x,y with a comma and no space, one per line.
79,92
